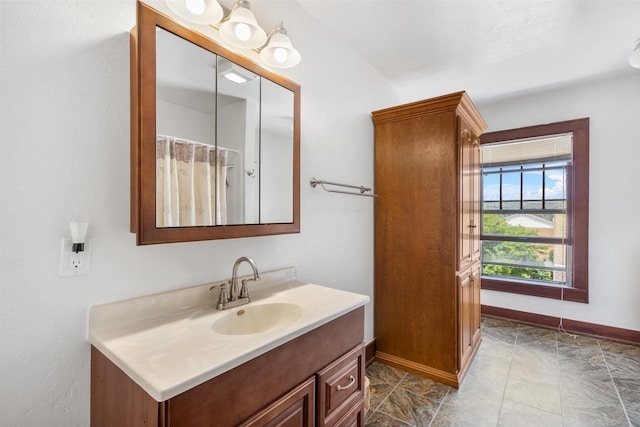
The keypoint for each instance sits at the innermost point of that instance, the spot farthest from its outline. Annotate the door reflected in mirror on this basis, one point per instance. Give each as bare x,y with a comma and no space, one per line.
276,160
239,134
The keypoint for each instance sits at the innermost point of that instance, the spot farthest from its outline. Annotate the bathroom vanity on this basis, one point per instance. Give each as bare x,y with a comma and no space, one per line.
293,356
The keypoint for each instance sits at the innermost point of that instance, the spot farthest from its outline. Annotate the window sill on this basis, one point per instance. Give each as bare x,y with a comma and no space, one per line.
531,289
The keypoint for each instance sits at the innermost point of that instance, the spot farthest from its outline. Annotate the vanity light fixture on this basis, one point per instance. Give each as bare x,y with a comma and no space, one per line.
278,52
241,29
205,12
634,58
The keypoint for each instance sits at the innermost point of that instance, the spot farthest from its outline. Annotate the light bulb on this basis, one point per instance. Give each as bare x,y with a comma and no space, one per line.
195,6
280,54
242,30
634,58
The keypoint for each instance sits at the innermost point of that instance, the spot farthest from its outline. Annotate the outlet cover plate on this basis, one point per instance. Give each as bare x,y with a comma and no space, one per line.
72,264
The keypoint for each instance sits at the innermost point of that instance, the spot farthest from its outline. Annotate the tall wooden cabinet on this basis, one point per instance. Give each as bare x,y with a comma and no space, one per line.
427,246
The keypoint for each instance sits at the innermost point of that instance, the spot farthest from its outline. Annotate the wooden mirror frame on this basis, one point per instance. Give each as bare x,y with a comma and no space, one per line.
143,136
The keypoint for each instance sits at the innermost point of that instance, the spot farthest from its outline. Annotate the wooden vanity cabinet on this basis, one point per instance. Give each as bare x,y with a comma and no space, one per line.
295,409
355,418
278,388
341,388
427,227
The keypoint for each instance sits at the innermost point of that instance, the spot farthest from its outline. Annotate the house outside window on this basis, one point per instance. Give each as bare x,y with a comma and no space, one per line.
535,210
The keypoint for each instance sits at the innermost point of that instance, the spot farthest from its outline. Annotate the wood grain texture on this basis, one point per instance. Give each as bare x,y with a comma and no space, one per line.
135,132
416,211
117,401
370,352
440,376
425,180
340,387
295,409
355,418
469,316
629,336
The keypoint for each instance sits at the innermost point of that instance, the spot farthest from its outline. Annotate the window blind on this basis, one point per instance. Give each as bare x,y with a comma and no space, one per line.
547,149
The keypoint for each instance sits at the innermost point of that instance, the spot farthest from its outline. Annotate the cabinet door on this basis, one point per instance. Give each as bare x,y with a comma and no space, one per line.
475,312
465,315
355,418
467,226
474,226
295,409
468,313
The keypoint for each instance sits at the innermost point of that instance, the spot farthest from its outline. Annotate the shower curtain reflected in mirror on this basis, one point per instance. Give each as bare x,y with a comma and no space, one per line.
187,181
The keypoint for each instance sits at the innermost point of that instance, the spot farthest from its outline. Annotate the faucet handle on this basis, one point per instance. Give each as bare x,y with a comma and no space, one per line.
224,295
244,291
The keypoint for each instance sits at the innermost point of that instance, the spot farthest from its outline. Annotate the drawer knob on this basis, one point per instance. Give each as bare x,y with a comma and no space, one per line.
352,381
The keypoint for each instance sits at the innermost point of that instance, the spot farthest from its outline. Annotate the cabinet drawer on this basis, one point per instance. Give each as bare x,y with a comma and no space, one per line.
355,418
295,409
341,387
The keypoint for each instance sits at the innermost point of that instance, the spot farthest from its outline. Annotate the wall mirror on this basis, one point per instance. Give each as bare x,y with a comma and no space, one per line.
215,139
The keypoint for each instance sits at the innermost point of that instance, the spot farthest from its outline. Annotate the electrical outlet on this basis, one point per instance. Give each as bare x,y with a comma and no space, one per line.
76,260
72,263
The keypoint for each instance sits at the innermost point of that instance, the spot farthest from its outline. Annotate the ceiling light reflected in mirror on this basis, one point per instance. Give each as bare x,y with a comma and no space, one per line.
236,78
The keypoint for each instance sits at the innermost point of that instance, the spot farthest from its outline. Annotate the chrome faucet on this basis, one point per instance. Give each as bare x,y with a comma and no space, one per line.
235,298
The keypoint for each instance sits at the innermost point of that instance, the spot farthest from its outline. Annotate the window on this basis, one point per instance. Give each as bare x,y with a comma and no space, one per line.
535,210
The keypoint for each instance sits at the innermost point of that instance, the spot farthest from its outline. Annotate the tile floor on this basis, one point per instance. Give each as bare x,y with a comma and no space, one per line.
521,376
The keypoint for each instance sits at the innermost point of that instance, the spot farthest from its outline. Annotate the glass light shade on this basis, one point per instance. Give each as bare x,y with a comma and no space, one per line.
205,12
242,30
634,58
196,7
279,52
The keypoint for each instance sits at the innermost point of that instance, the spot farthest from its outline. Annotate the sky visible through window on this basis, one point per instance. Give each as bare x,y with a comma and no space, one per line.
554,183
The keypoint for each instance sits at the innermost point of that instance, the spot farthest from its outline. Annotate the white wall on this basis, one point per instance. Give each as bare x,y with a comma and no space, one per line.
64,107
187,123
613,107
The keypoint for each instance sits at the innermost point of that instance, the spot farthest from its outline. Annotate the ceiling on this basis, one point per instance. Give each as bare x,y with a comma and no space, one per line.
490,48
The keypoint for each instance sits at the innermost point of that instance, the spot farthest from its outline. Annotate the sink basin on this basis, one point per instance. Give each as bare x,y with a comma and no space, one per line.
255,319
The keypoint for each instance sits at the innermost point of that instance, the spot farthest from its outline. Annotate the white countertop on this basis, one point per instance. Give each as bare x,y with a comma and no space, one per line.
165,342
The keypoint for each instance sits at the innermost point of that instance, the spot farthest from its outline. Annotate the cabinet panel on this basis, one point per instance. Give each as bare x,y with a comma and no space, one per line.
355,418
426,235
468,314
475,197
415,250
295,409
340,386
465,313
475,290
466,225
116,400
